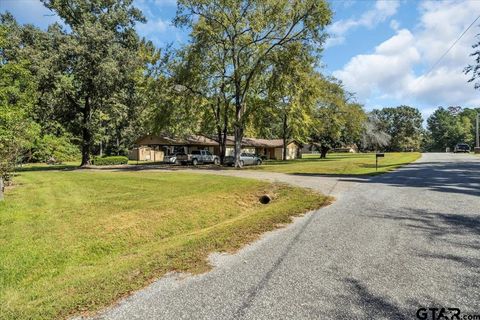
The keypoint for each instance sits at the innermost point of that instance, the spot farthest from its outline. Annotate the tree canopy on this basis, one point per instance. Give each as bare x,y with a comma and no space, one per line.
449,126
404,126
246,36
91,85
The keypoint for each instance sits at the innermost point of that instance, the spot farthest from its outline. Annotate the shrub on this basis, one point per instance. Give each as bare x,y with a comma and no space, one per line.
59,148
110,161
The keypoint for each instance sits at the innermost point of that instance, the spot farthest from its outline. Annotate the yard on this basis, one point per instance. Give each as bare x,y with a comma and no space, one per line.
341,163
75,241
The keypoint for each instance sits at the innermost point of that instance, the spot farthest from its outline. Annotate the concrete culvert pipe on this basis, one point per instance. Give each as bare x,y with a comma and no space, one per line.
265,199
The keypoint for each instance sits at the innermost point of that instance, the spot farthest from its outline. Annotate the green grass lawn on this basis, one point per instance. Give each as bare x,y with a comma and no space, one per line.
340,163
75,241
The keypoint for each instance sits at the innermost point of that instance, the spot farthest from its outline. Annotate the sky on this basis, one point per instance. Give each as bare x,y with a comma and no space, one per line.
384,51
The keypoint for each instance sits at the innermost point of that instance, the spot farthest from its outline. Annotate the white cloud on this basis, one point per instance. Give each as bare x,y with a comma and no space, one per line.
396,69
153,26
166,3
395,25
384,68
369,19
30,12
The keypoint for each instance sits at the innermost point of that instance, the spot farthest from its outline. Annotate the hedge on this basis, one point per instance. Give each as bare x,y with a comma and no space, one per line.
110,161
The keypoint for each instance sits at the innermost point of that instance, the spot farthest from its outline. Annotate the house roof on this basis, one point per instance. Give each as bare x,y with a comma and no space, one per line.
194,140
258,143
199,140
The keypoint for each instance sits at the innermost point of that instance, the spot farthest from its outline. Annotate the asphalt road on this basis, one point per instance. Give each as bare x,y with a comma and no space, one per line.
388,246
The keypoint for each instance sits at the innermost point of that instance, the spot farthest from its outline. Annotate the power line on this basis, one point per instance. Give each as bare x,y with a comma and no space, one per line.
451,47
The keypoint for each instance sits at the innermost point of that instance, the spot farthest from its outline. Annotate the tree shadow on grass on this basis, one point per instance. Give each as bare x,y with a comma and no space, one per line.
57,167
295,161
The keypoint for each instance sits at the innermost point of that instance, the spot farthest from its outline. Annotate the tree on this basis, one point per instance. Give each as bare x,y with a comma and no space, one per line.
17,95
469,121
448,127
290,98
403,124
250,33
337,120
98,55
206,88
474,69
373,138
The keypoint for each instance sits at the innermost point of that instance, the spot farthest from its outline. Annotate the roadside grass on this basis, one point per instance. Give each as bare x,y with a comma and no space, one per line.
340,163
72,242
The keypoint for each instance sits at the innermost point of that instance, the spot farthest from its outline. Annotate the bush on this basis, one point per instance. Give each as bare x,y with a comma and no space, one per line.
109,161
59,148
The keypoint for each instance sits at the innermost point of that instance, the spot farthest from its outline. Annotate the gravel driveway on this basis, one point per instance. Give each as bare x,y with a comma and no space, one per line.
386,247
329,185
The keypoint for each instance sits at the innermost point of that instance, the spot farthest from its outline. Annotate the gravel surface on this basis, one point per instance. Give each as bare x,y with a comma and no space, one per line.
334,185
388,245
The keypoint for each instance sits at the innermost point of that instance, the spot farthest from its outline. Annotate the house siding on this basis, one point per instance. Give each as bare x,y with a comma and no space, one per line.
155,148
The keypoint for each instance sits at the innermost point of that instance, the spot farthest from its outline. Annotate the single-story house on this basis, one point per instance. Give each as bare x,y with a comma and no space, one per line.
312,148
156,148
268,148
350,148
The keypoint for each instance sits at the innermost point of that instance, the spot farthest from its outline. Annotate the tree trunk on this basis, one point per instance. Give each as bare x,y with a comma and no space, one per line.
118,145
238,131
284,137
86,133
223,151
1,188
323,152
222,141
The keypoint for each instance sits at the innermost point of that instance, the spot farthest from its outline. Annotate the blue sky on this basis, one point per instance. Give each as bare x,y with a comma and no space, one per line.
381,50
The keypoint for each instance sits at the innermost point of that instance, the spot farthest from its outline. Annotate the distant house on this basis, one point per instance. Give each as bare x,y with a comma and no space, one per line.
156,148
268,148
312,148
352,148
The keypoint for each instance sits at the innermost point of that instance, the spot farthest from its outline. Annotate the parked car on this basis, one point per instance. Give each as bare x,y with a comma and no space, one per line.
245,160
172,159
461,147
261,156
198,157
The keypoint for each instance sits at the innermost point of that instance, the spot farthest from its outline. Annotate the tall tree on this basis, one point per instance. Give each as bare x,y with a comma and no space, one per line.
338,121
99,55
290,98
250,32
448,127
373,138
471,115
403,124
202,75
17,96
474,69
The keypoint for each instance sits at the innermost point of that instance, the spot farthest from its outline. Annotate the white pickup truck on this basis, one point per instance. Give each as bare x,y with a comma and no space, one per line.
198,157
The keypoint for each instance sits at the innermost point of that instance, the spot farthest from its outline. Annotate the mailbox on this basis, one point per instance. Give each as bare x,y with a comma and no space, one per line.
380,155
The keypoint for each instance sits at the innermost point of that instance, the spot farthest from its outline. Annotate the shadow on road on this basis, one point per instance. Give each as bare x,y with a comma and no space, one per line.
452,238
456,177
374,306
